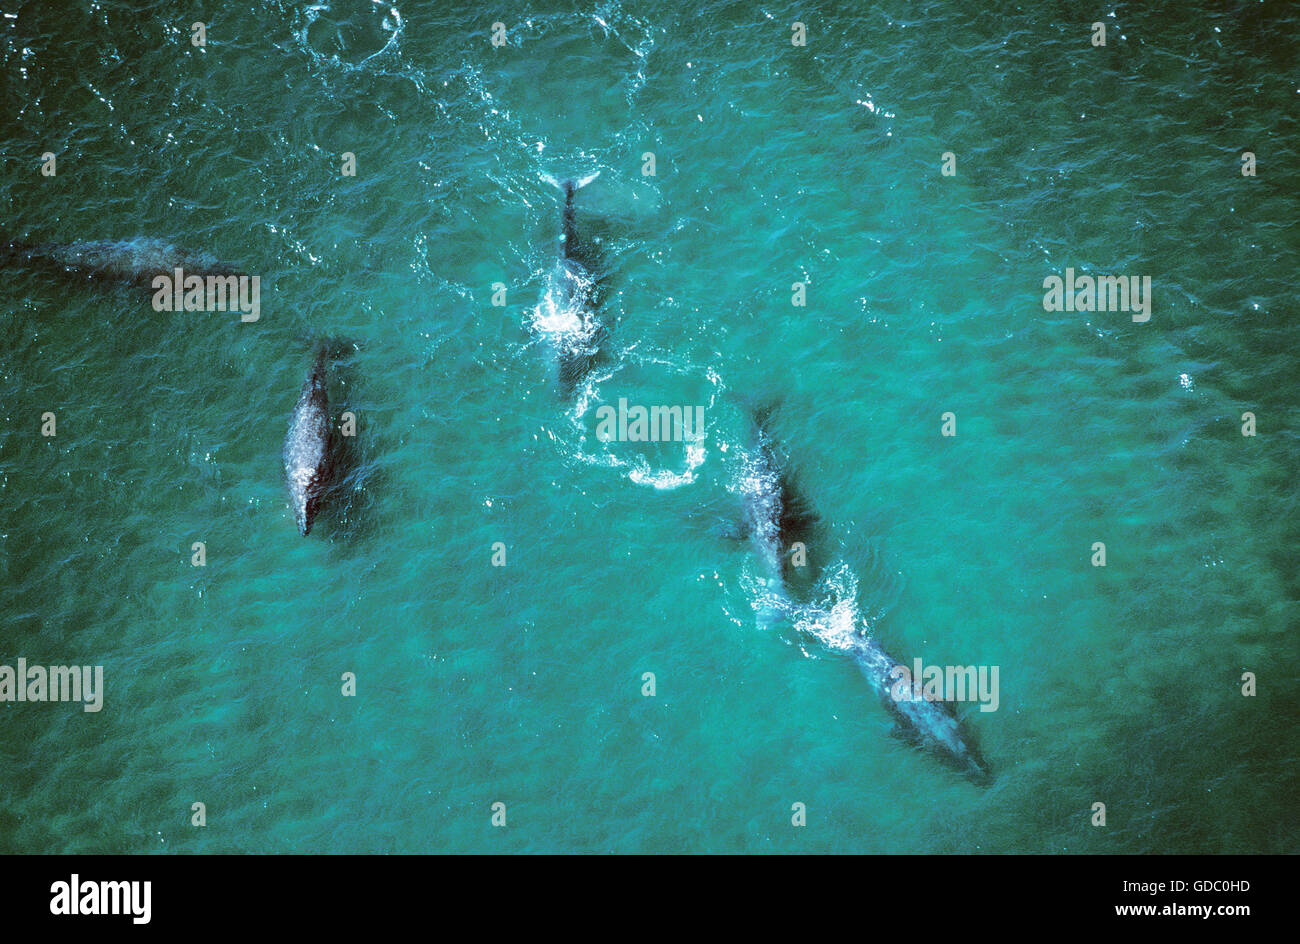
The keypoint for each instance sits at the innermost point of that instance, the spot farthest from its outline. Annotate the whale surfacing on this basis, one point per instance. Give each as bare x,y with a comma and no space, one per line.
307,447
566,316
773,514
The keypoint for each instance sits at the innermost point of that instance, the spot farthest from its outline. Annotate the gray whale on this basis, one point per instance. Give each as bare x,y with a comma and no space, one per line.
567,315
930,725
774,516
136,261
308,446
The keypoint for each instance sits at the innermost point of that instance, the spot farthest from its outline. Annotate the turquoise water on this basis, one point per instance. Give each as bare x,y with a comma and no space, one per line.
775,164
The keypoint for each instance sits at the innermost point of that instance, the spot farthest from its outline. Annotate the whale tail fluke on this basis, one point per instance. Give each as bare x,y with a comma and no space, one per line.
570,185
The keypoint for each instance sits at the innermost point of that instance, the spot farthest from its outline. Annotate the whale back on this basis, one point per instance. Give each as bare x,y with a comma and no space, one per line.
570,249
931,725
761,487
775,514
307,447
566,316
136,260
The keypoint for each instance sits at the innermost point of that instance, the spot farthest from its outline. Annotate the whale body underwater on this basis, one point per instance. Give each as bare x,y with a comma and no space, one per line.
136,261
774,517
931,725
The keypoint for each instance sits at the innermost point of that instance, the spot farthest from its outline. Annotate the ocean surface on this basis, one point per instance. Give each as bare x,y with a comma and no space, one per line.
774,164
